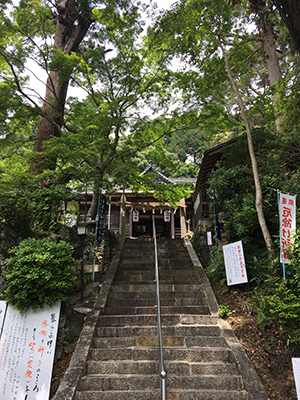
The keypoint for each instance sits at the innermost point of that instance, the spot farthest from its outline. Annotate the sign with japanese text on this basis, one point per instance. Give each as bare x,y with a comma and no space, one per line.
296,370
27,348
287,219
235,263
209,239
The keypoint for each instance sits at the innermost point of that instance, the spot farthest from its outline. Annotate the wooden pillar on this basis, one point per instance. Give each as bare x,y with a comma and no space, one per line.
109,214
182,219
122,229
130,222
172,224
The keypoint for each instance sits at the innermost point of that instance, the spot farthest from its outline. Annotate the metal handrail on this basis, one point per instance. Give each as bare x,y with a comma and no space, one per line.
162,372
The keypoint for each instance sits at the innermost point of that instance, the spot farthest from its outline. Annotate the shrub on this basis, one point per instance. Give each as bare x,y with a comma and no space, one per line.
216,269
39,272
224,311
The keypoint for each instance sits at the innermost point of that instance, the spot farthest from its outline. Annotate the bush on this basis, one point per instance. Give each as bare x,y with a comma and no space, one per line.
216,269
39,272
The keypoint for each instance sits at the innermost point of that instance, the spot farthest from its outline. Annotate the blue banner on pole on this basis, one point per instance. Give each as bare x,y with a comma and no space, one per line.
218,229
101,215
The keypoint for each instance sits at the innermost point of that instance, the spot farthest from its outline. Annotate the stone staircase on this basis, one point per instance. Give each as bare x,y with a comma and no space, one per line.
123,358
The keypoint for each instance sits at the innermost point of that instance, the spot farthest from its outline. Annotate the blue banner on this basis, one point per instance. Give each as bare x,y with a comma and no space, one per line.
101,215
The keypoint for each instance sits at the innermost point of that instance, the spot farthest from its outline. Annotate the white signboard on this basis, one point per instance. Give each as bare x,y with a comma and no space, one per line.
2,313
296,369
209,239
235,263
27,348
287,218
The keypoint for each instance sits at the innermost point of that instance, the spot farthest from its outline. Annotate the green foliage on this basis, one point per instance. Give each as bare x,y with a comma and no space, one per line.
38,272
278,303
216,268
187,144
30,206
280,306
224,311
69,335
47,203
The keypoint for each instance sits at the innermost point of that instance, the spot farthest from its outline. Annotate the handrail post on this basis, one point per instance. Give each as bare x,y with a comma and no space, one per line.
162,372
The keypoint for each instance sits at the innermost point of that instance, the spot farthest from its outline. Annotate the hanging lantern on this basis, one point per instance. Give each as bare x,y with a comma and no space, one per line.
135,216
167,216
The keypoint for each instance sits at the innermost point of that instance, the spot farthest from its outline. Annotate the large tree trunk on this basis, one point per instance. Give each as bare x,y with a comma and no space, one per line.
72,25
271,58
290,13
93,209
258,190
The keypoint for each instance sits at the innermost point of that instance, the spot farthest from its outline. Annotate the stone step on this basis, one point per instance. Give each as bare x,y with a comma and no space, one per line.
199,354
163,244
148,302
143,253
163,274
123,360
182,368
143,281
151,320
139,382
151,367
150,267
148,263
152,341
125,310
178,288
140,331
118,293
172,394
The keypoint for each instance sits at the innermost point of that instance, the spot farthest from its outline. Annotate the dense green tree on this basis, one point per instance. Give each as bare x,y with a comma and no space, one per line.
111,65
188,144
213,40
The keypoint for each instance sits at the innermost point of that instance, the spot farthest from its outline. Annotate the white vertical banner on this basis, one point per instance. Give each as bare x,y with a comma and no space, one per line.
235,263
287,219
27,348
296,370
209,239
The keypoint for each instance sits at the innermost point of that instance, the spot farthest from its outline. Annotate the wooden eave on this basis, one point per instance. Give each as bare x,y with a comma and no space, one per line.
210,159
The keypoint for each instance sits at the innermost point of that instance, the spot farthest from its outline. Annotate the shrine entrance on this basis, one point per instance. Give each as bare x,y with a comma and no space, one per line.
143,227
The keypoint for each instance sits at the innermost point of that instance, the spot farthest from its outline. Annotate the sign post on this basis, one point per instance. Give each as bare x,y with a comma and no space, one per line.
209,239
235,263
296,370
27,348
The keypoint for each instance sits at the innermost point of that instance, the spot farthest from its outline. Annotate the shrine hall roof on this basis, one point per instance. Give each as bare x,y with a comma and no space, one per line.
161,178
